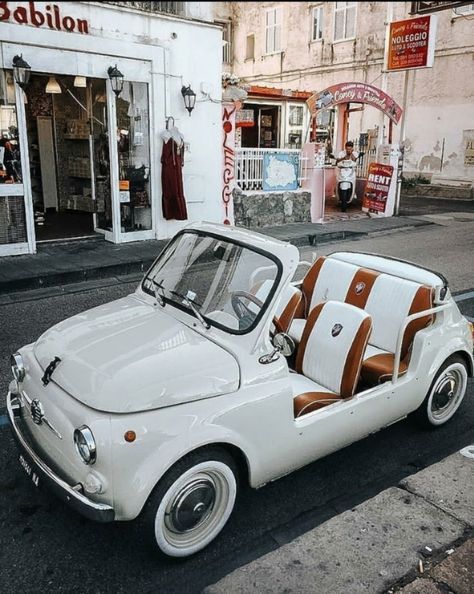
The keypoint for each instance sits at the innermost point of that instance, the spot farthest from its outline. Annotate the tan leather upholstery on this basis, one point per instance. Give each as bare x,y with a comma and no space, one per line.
360,288
379,368
330,354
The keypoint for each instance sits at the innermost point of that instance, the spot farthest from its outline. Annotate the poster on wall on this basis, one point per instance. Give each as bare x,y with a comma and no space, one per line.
377,187
410,43
280,171
468,137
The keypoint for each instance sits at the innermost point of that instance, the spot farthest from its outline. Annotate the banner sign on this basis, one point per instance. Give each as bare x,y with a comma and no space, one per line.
377,187
410,43
355,92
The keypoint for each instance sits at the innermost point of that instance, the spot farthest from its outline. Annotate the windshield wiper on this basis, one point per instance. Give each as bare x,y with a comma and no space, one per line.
193,307
159,296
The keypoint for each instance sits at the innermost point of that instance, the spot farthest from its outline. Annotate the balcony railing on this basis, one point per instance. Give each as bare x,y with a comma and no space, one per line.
249,166
174,8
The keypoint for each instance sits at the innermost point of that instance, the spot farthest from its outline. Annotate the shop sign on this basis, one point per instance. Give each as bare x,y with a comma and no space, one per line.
377,187
49,16
244,118
355,93
228,174
426,7
410,43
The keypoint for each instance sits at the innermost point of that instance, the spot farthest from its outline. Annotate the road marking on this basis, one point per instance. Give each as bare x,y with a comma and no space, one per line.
464,296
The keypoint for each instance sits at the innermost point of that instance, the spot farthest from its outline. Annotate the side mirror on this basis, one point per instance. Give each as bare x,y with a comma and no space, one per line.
283,344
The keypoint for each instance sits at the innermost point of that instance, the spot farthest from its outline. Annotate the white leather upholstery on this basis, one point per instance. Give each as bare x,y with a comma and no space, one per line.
389,303
326,352
333,282
301,384
296,329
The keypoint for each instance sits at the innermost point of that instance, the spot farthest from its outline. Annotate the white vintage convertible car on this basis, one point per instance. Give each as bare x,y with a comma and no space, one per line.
158,405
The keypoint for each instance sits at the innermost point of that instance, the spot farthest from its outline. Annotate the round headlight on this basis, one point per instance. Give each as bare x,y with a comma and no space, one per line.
85,444
18,369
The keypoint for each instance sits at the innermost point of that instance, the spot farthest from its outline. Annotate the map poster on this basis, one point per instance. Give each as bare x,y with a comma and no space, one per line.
280,171
377,187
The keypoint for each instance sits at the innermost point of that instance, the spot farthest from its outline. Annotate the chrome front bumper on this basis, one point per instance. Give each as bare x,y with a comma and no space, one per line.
72,495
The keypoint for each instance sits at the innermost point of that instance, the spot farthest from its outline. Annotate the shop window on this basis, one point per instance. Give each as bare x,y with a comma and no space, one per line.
250,47
10,165
295,126
344,20
134,157
317,23
273,30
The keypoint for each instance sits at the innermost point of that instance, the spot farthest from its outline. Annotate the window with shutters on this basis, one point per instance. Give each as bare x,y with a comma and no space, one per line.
226,42
273,31
344,20
250,47
317,23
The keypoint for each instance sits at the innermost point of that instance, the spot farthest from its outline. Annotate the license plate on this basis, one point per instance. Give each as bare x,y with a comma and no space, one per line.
29,471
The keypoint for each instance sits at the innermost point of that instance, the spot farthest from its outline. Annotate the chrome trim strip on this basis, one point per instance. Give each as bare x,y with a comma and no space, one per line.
95,511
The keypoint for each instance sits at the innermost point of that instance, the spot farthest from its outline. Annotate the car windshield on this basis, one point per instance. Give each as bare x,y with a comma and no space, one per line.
222,283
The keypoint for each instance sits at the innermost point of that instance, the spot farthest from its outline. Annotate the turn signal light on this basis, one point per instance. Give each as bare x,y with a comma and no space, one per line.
130,436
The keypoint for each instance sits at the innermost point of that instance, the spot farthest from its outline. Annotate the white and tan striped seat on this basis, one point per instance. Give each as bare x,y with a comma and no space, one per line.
290,303
329,356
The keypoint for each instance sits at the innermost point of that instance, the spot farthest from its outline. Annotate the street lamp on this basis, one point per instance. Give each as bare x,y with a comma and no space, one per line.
189,97
21,71
116,79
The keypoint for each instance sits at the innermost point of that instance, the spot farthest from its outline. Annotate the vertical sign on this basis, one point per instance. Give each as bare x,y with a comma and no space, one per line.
229,110
410,43
377,188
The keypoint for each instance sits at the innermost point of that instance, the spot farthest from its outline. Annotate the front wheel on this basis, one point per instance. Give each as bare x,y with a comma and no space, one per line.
191,504
445,394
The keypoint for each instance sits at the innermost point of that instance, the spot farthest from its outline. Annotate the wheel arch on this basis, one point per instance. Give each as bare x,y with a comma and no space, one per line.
467,359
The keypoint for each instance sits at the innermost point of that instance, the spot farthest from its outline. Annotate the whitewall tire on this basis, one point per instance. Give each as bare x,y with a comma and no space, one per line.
445,394
192,503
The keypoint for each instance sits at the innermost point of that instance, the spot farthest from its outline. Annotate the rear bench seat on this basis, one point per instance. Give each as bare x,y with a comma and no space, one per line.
386,298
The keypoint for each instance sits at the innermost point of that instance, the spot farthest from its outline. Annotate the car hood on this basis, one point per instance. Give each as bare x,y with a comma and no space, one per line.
129,356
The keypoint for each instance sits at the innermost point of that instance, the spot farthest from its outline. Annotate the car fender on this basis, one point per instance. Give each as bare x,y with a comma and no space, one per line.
142,474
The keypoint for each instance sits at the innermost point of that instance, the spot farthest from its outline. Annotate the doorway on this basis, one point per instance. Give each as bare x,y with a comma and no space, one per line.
66,121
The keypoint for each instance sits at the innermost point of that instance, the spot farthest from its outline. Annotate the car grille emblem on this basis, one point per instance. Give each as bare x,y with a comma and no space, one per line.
336,330
359,288
37,412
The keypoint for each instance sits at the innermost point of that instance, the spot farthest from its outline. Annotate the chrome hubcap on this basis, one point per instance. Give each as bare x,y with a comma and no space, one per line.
191,506
447,394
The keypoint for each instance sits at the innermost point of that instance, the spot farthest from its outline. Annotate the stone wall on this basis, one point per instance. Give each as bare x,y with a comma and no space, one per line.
264,209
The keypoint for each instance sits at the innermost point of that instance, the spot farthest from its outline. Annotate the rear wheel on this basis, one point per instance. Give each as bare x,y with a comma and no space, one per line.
191,504
445,394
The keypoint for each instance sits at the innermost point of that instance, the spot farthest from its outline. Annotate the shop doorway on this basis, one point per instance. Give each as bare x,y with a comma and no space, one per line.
66,122
267,132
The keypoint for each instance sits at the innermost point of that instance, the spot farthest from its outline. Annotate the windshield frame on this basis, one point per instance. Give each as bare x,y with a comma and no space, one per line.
187,309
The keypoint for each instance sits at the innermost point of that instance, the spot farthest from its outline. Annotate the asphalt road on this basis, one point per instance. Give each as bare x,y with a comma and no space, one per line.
47,547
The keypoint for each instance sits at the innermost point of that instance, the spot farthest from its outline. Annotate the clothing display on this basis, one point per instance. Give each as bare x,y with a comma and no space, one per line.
172,161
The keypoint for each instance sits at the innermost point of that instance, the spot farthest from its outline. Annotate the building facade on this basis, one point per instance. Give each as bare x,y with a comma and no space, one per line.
309,46
80,156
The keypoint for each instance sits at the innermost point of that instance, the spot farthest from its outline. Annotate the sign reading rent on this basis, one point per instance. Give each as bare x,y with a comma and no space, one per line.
377,187
411,43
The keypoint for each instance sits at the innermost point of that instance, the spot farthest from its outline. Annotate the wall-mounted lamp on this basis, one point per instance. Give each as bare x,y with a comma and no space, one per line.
53,86
116,79
21,71
189,97
80,82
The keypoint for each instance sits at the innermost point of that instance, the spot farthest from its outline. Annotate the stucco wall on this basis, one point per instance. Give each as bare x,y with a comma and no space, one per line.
439,101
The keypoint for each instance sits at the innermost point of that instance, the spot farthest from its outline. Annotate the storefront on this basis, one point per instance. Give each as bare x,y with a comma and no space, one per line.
81,140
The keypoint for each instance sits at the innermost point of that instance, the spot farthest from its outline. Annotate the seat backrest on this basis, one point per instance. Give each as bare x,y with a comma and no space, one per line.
390,301
289,305
327,280
333,345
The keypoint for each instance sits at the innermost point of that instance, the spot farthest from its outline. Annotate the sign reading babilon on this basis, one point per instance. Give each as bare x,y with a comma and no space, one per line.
411,43
377,187
50,16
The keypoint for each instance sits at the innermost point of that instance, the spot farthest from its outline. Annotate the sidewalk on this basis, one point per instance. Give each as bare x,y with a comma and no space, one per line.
416,538
83,260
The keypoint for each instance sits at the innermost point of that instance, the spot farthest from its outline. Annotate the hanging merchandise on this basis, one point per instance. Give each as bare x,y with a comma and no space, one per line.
172,161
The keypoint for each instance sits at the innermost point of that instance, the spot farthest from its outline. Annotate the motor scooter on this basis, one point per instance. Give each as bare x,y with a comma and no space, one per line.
346,183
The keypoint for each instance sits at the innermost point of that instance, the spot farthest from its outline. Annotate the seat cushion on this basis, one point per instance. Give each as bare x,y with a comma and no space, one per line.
309,396
378,366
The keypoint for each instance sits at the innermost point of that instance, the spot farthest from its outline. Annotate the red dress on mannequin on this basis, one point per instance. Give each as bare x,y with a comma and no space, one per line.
172,161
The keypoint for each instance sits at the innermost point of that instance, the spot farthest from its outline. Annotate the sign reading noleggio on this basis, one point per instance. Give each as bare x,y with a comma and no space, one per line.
411,43
377,187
